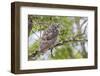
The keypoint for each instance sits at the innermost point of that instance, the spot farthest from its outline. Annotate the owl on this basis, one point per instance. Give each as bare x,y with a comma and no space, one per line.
49,38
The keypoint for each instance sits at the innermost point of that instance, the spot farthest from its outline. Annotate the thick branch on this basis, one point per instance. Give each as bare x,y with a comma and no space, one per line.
84,22
66,41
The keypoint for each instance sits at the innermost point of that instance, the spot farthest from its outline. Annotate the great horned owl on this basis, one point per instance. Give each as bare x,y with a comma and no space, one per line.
49,38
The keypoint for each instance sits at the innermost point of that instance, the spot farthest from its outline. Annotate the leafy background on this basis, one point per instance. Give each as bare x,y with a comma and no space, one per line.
72,37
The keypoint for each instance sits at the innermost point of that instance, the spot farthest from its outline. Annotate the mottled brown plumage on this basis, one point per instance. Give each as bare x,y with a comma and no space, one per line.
49,38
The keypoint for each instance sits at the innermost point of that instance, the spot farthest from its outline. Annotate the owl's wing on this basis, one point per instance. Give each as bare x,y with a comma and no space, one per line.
46,44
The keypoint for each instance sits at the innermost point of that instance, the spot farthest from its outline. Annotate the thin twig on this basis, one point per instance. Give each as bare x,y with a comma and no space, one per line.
35,34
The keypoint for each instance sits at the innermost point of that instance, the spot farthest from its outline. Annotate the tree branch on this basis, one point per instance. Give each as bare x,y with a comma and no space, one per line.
84,22
66,41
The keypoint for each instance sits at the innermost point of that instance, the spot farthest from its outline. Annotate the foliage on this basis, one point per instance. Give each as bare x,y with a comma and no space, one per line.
33,47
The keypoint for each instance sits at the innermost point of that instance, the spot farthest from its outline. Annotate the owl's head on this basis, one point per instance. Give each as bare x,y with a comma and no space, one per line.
55,26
